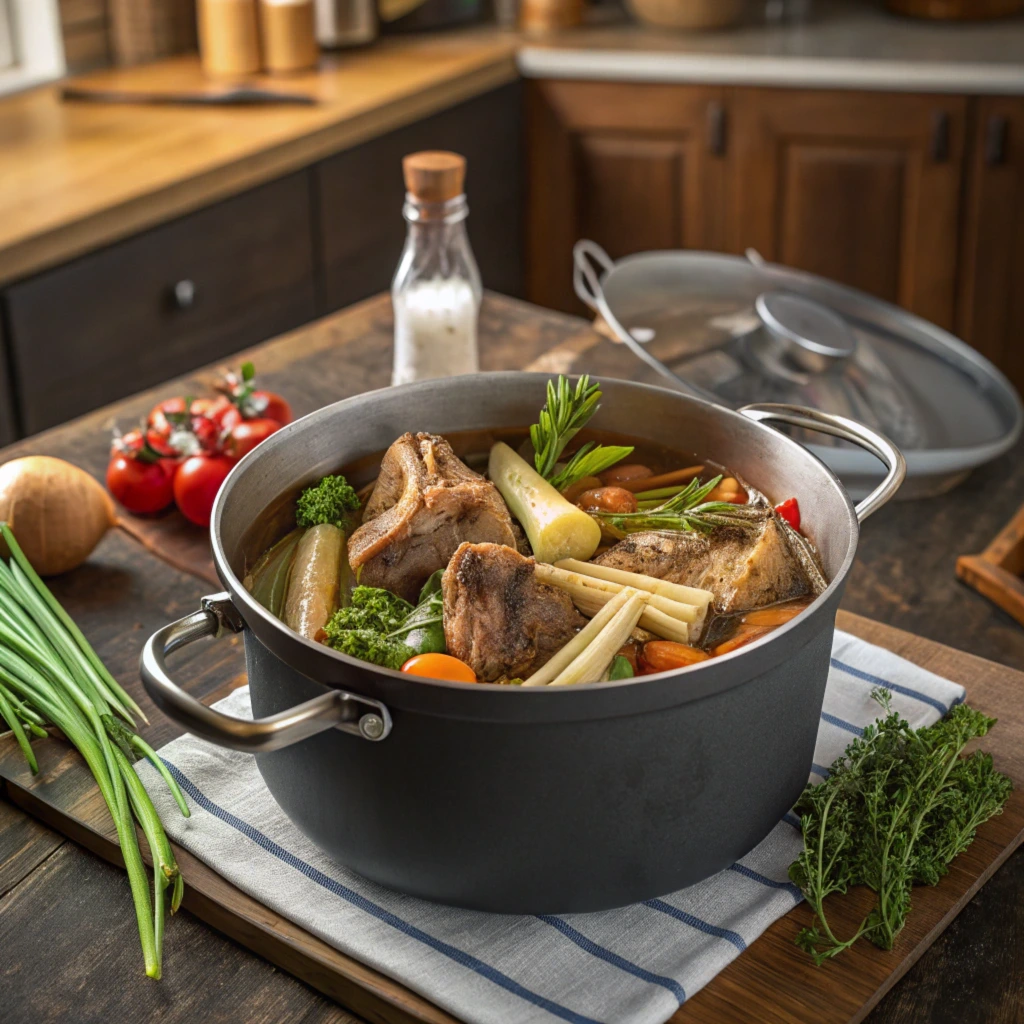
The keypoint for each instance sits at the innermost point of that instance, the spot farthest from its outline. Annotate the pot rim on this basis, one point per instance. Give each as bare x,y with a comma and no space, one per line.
248,607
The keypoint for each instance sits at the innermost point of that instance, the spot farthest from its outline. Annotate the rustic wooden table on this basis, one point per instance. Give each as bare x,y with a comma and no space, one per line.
68,949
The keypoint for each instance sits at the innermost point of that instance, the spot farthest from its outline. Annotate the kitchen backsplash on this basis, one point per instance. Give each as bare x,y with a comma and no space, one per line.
102,32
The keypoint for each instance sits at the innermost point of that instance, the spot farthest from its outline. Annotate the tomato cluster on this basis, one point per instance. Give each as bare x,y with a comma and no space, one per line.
186,448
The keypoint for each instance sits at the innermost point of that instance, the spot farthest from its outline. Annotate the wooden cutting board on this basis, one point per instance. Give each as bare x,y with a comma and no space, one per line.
772,982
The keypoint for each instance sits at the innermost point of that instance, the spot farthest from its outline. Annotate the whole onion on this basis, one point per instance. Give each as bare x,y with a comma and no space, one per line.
57,511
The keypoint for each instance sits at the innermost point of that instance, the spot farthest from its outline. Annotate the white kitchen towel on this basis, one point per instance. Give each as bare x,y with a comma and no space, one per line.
630,966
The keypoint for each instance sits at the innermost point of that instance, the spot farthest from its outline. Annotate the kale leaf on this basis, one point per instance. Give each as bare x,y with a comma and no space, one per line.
381,628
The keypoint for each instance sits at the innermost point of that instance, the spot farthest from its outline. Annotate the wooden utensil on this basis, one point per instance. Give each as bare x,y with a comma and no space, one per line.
998,572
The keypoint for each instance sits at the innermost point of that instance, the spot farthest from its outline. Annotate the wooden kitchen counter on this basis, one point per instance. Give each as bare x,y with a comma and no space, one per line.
68,948
75,176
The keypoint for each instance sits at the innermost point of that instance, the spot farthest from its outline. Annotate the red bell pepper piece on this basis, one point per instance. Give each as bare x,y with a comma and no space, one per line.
790,511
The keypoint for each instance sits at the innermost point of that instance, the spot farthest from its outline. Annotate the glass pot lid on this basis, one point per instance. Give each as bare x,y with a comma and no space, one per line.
738,330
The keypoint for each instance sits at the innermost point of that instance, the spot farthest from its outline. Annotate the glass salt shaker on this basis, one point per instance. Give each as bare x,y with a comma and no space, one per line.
436,291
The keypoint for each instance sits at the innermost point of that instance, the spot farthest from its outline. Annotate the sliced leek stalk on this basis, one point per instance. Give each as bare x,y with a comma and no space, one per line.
699,599
587,586
589,666
550,669
675,591
666,619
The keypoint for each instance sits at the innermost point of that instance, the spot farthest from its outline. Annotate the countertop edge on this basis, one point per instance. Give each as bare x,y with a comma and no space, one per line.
792,72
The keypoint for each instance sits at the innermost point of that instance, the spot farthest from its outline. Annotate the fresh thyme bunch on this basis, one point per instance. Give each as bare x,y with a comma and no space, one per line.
895,810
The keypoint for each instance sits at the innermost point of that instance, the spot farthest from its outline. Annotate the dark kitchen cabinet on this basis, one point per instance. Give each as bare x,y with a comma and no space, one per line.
863,188
991,296
161,303
359,198
860,187
8,421
918,199
633,167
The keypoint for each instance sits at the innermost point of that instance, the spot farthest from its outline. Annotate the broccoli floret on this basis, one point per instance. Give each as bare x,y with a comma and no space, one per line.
367,645
371,608
361,630
332,501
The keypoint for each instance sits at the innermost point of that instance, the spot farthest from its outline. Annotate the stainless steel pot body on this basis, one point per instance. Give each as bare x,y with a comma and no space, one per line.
524,801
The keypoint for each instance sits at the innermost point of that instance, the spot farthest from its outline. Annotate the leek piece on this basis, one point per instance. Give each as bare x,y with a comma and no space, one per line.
556,529
550,669
598,655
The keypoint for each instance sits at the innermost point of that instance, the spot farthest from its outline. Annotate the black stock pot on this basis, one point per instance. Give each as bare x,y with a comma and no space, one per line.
528,800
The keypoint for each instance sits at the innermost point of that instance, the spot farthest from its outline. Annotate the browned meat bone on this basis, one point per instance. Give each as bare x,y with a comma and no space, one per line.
743,568
498,617
425,504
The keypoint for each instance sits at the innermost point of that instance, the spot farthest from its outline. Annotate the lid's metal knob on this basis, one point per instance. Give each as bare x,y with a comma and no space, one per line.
812,335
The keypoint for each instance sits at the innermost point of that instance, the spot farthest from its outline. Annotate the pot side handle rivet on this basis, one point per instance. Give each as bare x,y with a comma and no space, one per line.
371,726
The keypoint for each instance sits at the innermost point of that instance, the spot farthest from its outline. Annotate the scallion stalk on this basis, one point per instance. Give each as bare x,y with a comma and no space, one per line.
50,674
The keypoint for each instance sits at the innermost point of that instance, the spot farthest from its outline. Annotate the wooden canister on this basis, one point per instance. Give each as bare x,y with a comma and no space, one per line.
229,42
288,29
539,16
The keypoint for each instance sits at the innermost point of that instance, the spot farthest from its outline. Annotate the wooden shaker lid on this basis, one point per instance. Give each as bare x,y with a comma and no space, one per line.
434,176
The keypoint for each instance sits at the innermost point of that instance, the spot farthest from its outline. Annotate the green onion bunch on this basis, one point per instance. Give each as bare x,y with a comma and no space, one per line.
51,676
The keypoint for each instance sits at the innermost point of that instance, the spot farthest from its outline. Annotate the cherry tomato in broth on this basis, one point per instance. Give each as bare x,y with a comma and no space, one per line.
440,666
196,485
607,499
618,474
586,483
666,655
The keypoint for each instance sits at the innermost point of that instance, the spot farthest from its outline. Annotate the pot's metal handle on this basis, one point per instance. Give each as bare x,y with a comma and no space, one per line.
338,709
849,430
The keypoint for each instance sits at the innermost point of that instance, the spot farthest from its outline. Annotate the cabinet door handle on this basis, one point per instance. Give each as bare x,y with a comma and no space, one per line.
184,293
716,128
940,136
997,133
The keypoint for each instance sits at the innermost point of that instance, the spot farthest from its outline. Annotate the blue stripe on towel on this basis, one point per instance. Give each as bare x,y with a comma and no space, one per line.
867,677
696,922
742,869
357,900
614,959
857,730
819,770
791,819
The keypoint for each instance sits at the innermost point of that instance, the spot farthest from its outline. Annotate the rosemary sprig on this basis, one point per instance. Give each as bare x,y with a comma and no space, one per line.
590,460
686,511
566,412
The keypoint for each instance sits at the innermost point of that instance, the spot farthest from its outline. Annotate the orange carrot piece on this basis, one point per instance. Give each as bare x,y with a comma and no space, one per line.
650,483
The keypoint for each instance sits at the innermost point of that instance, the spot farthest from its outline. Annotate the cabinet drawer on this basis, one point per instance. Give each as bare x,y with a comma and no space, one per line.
162,303
361,190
